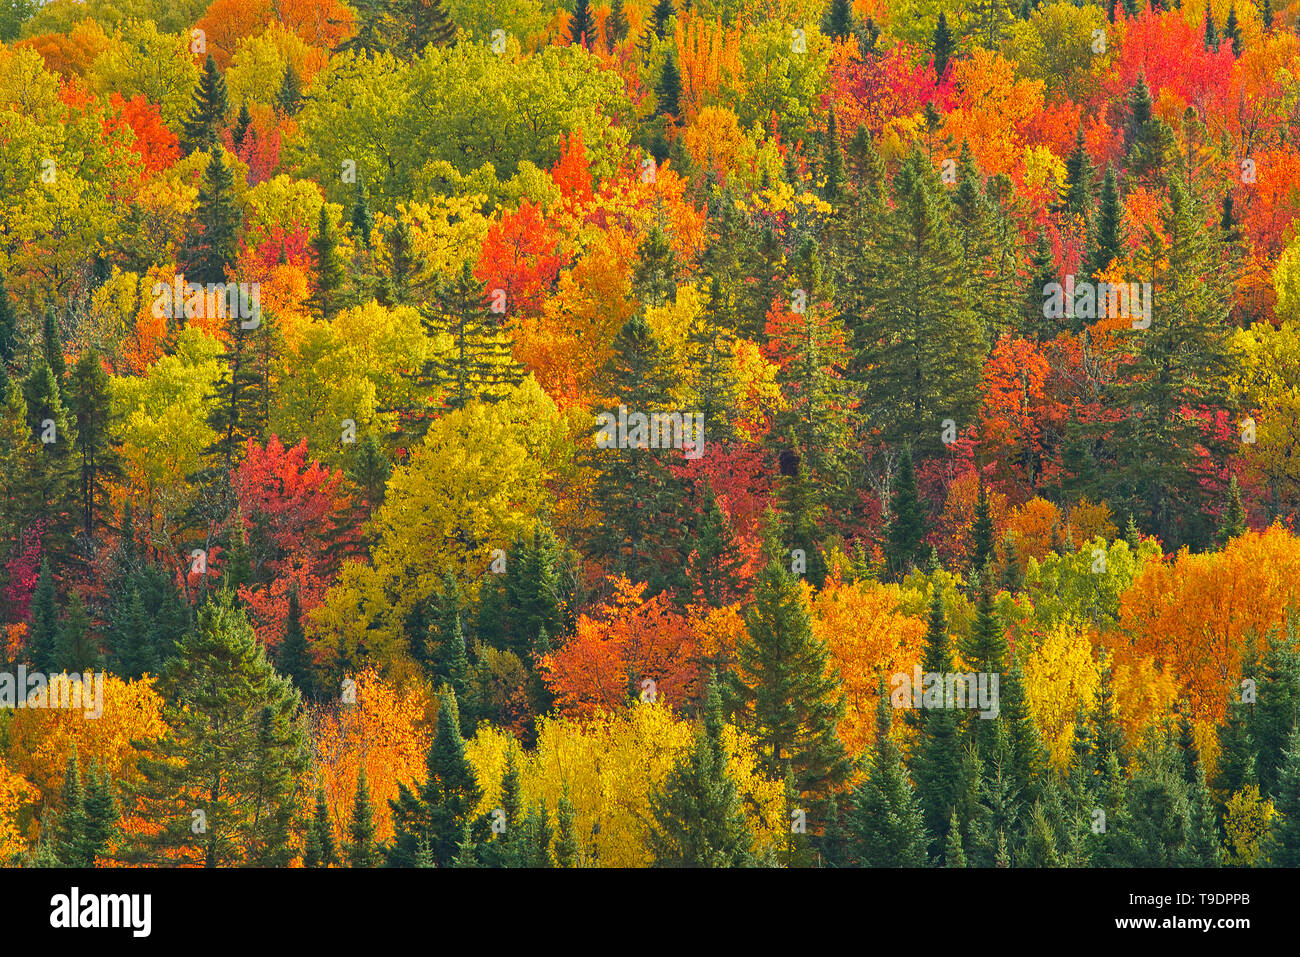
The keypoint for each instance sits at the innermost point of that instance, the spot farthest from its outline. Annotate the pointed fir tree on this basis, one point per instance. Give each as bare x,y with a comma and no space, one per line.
288,99
363,221
96,451
330,273
697,819
211,245
243,123
294,659
566,839
905,532
781,690
427,22
1107,243
74,650
1232,522
582,25
480,365
616,26
42,623
838,20
953,854
1232,31
361,848
1211,35
886,820
981,533
237,736
319,849
942,45
437,813
207,116
1282,846
71,822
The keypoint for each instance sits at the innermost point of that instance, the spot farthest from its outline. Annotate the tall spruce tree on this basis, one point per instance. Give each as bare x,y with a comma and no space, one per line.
207,116
781,689
886,820
697,818
224,782
437,813
905,532
97,458
361,849
211,245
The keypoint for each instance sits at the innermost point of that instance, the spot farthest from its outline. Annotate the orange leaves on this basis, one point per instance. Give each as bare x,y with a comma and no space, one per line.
156,144
1196,615
706,56
521,256
1016,409
630,639
386,732
867,636
321,23
572,171
41,739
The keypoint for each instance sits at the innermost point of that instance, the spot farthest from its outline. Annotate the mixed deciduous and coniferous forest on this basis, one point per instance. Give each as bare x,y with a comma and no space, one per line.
764,433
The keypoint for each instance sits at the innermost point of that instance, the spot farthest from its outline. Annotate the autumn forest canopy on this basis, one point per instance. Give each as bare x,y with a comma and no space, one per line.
559,433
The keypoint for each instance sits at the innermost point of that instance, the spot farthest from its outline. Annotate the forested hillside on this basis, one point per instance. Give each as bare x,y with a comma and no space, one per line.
671,432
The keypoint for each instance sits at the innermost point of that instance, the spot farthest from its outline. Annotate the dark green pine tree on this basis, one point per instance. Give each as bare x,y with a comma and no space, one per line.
654,277
538,591
566,838
293,659
1211,31
943,46
8,333
1107,242
837,23
1204,846
74,650
447,641
102,815
363,222
42,623
981,533
1139,111
582,25
1232,522
616,26
634,485
1155,827
480,365
1232,31
1282,847
697,818
327,287
288,99
237,570
361,848
781,690
917,336
1076,192
936,761
985,648
1042,269
660,14
905,533
714,559
953,853
996,825
238,738
134,651
1267,14
1028,761
1105,733
319,849
243,123
427,22
886,820
1013,576
833,155
51,485
70,827
211,245
1178,362
52,348
437,813
207,116
1278,706
96,452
